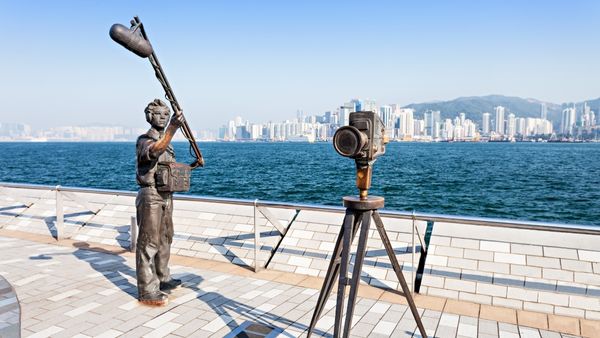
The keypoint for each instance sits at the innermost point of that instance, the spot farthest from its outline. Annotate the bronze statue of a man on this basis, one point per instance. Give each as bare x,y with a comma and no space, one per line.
155,206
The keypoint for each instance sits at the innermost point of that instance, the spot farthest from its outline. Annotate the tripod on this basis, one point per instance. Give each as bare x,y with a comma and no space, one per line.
358,215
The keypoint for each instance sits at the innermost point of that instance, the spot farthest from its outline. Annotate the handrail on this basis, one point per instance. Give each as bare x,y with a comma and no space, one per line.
470,220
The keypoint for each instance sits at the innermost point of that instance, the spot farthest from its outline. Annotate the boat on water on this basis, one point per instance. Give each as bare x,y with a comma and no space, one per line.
310,138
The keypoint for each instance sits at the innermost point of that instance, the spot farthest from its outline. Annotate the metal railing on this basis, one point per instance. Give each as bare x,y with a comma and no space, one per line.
418,216
260,207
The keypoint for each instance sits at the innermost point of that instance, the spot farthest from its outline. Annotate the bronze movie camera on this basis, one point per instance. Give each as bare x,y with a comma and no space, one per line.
363,140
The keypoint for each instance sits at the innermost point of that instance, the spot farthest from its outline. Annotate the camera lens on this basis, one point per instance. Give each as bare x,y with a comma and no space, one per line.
348,141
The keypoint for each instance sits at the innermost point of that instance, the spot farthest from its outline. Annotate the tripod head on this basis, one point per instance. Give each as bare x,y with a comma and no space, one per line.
363,140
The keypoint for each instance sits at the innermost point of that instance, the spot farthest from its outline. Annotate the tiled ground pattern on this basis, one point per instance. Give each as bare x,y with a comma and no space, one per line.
10,312
68,292
556,273
550,272
214,231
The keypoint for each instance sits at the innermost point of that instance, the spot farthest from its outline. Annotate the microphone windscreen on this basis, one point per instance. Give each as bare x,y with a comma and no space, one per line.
131,40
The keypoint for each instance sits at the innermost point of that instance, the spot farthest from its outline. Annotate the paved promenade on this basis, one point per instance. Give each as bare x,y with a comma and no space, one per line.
552,270
71,288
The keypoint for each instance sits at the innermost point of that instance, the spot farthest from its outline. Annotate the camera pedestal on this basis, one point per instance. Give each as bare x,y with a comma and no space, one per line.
358,216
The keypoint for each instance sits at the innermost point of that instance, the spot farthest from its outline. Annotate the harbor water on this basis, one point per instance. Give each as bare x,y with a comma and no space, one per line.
555,182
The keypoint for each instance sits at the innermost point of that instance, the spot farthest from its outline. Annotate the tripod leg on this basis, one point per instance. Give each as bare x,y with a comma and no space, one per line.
333,269
358,263
343,278
398,271
332,272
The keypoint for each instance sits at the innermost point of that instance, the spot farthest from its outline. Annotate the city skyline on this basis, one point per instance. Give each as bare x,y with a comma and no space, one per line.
401,123
264,59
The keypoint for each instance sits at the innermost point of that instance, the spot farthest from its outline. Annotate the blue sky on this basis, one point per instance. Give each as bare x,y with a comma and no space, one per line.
265,60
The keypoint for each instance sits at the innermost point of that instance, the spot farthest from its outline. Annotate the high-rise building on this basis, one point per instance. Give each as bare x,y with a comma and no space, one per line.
231,129
470,130
543,111
419,127
499,120
447,132
385,113
521,126
242,133
511,125
432,123
587,118
368,105
353,105
238,121
344,116
485,123
567,121
327,117
405,125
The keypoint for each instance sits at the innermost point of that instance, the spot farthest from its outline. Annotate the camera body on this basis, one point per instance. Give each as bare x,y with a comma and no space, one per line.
363,140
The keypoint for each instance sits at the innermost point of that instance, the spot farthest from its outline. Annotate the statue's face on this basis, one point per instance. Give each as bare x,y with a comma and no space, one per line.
160,118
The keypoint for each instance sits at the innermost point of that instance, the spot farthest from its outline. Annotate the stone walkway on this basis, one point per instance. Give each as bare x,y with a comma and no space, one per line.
67,291
9,310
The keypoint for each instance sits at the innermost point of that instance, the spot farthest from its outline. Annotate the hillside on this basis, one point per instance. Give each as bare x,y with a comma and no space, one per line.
474,106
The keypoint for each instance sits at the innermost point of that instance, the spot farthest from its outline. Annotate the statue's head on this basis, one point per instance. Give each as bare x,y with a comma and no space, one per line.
157,114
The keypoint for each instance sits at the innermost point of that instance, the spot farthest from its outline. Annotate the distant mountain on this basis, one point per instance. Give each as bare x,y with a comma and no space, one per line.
475,106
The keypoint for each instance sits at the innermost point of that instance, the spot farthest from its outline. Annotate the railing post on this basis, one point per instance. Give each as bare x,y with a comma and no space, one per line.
60,217
256,239
133,234
412,270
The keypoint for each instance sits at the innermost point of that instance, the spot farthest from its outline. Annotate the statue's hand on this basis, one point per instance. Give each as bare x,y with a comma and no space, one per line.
198,163
177,120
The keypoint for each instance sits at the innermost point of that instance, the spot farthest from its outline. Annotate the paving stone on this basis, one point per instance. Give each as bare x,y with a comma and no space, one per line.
494,267
538,307
475,298
488,327
589,328
545,262
560,252
556,274
448,251
462,308
460,285
509,258
508,303
522,294
534,250
576,265
529,271
549,334
527,332
553,298
480,255
495,246
586,303
591,256
532,319
491,290
587,278
462,263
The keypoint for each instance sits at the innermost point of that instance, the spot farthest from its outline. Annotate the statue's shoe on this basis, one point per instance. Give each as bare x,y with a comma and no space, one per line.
154,299
170,284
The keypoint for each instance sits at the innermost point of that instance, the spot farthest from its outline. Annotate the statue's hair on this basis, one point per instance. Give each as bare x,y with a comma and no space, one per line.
153,106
